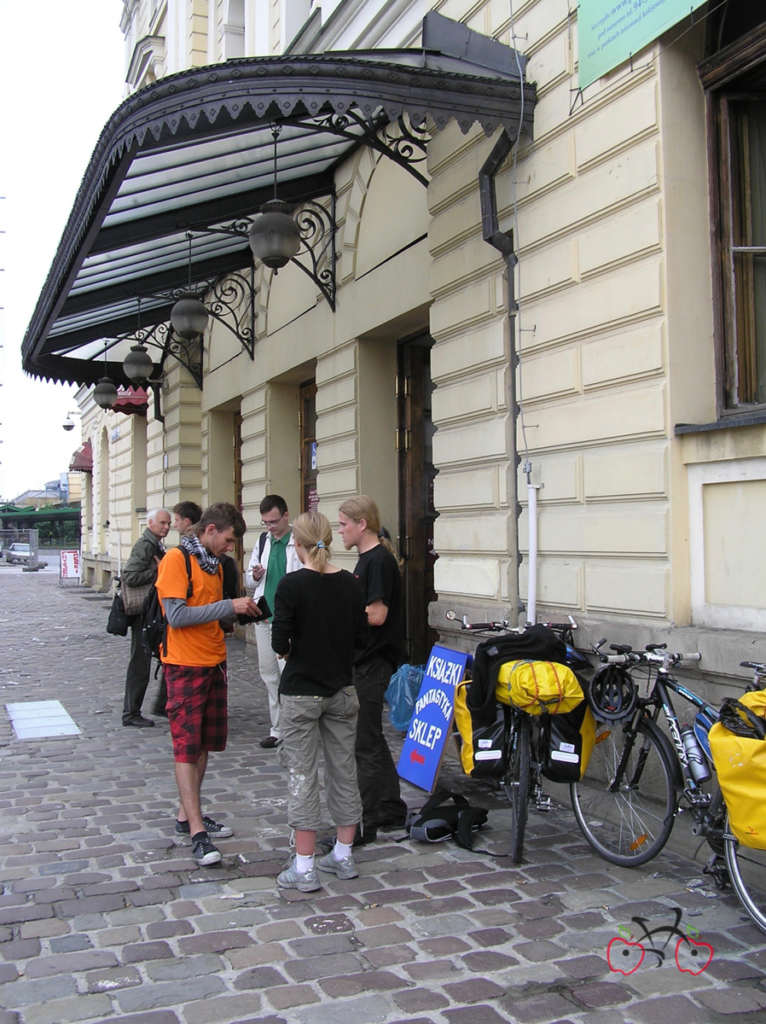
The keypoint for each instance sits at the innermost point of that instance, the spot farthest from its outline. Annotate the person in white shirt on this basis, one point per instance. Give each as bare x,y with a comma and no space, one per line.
273,556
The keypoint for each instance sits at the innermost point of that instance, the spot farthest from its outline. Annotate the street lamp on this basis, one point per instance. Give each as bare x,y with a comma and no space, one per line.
138,366
273,235
188,316
105,392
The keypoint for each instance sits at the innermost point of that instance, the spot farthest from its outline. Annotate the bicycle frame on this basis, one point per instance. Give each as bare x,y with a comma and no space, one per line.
660,698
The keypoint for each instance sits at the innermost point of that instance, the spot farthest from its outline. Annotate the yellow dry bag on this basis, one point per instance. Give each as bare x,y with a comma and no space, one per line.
538,687
740,763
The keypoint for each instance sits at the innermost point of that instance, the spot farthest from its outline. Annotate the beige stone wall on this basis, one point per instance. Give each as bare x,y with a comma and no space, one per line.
607,364
608,208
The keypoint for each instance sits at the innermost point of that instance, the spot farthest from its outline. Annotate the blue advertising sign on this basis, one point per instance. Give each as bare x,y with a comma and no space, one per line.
432,717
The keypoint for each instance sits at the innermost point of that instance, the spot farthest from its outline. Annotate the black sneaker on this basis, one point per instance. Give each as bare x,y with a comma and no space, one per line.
204,852
369,835
213,828
139,722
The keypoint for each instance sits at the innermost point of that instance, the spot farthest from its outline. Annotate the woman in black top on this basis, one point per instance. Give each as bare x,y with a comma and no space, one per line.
318,622
374,663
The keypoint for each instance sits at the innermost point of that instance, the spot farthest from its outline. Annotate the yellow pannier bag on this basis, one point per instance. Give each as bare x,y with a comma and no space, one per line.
740,763
538,686
481,747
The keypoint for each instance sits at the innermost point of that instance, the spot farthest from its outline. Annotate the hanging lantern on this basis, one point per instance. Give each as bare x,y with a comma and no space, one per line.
105,393
138,366
189,317
273,235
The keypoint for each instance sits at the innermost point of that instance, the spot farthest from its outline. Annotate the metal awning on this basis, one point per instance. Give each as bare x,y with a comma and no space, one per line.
193,154
82,459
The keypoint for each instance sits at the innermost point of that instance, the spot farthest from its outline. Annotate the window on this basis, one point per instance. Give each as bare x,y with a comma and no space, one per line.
742,128
735,80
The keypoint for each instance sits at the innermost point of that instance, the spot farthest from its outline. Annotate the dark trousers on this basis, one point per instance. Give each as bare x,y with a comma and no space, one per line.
378,780
137,679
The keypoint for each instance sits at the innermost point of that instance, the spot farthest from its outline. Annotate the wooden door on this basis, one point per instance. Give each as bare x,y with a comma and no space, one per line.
308,430
416,491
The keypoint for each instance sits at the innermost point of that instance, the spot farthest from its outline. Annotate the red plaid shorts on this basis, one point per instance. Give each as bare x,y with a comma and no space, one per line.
197,709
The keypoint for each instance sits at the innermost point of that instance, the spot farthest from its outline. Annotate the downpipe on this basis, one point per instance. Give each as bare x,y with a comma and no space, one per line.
503,242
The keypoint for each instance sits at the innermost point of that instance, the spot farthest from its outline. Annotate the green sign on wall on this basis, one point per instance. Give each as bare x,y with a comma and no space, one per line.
610,31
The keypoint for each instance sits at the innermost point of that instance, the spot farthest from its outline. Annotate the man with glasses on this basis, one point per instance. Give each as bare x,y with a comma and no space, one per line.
273,556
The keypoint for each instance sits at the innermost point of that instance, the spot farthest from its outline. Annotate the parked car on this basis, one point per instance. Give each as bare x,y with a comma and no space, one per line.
18,553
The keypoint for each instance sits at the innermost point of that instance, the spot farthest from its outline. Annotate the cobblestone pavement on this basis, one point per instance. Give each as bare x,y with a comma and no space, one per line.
104,917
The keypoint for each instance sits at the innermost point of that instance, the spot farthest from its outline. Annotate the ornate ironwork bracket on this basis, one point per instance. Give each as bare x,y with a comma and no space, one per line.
230,300
403,141
163,337
317,227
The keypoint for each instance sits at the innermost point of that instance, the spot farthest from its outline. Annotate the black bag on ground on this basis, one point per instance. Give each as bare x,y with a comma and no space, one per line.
119,621
439,820
536,643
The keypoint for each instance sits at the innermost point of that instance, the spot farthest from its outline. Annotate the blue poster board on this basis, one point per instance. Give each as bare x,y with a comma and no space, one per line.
431,720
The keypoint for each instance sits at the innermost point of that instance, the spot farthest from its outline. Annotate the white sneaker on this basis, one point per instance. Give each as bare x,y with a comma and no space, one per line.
345,868
292,878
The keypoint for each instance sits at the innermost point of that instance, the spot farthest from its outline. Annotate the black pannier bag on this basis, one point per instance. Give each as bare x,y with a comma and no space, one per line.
569,745
536,643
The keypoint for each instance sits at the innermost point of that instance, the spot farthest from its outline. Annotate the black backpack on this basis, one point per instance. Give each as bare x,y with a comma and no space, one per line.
446,816
154,625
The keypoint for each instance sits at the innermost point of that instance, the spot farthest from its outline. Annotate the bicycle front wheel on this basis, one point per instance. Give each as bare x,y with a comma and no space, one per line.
747,870
629,823
516,783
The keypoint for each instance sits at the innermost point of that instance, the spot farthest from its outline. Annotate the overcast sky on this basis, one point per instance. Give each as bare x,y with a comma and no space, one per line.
62,71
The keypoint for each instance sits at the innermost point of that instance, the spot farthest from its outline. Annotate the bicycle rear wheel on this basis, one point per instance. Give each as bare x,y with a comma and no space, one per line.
516,782
747,870
631,824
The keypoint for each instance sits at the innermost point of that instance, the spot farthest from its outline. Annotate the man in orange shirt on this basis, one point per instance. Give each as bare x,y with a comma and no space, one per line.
194,661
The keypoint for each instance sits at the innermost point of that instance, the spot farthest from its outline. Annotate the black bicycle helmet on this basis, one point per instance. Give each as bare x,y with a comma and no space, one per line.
611,694
741,720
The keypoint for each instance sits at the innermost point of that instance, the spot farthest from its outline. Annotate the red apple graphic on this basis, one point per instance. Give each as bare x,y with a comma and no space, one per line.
624,957
696,955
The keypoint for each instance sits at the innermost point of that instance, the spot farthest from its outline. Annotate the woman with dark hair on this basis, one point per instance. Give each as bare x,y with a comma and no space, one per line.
318,622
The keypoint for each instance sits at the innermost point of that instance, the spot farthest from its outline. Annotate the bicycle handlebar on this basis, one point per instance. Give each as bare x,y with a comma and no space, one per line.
654,657
504,625
758,667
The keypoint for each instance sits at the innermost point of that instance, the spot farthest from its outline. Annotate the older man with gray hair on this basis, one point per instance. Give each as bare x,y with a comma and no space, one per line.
140,569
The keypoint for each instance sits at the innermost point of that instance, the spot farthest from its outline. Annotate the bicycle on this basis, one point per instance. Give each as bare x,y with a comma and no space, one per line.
525,738
638,780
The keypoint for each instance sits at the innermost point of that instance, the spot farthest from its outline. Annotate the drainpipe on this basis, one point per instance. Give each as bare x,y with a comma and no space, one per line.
503,242
532,490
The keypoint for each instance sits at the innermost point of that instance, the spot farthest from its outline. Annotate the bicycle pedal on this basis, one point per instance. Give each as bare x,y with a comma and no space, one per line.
543,803
717,869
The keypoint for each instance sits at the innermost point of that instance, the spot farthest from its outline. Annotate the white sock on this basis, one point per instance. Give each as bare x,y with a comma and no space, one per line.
341,850
304,864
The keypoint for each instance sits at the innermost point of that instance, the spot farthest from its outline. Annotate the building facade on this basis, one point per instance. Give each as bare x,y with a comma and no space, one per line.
634,210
